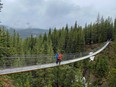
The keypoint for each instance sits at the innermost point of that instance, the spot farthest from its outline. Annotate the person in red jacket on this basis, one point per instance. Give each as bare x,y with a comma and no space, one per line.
59,58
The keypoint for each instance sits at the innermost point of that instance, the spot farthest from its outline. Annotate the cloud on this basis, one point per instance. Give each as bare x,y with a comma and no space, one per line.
62,13
58,13
54,13
59,9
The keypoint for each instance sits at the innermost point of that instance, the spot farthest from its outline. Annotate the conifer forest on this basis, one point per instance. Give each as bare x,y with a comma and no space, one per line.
70,40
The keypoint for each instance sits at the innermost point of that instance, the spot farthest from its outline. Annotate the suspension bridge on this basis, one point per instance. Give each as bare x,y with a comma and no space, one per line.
16,64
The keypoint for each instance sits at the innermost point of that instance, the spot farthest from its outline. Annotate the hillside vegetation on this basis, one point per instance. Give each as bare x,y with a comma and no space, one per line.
100,72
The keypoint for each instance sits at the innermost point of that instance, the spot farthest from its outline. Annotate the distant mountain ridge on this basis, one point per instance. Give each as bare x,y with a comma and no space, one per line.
28,32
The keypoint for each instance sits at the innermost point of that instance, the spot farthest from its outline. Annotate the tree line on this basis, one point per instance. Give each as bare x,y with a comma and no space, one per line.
72,39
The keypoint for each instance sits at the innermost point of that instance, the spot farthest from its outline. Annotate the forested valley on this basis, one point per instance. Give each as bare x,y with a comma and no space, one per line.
70,40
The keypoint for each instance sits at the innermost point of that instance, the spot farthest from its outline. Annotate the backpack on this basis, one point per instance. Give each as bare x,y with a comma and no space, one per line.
60,56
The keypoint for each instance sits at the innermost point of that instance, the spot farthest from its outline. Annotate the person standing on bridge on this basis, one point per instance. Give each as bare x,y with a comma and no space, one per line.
59,58
56,56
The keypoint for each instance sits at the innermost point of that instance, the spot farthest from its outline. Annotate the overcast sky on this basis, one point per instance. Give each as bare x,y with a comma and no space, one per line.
47,14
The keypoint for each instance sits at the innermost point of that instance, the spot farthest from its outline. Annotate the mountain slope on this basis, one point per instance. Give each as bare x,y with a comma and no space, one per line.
28,32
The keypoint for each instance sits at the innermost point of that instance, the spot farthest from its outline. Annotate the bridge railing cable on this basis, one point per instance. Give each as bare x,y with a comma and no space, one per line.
15,61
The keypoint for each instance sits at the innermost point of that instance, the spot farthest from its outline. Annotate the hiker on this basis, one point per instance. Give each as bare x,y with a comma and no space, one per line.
59,58
56,56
